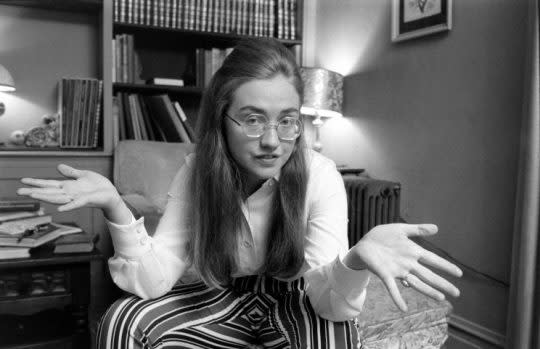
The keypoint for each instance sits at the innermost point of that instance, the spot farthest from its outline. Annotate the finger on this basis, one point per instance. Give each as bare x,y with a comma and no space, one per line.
44,183
421,286
51,191
392,288
435,280
69,171
420,229
53,199
434,260
77,203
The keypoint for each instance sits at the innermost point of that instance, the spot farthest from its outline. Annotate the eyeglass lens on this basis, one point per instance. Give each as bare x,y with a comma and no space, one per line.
288,128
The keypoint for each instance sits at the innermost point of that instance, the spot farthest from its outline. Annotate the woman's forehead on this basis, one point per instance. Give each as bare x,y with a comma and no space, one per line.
266,94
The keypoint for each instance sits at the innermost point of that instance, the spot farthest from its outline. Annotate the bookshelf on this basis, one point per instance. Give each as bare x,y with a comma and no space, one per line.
181,39
170,48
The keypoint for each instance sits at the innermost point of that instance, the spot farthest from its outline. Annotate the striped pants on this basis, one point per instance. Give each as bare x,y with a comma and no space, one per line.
254,312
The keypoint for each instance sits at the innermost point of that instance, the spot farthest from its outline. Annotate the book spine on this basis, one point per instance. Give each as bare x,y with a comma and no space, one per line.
122,11
129,11
294,10
116,14
98,114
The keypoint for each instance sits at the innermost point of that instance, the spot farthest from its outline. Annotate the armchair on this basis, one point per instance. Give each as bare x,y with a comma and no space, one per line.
142,173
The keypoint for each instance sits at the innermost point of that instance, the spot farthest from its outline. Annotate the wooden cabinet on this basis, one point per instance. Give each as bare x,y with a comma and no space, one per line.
44,300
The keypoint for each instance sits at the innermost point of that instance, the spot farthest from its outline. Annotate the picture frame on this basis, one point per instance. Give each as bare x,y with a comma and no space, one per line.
415,18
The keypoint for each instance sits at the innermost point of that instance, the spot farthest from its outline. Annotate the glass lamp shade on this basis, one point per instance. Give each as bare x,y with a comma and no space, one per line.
6,80
323,92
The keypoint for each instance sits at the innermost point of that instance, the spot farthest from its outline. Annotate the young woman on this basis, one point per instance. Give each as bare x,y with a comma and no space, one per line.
252,246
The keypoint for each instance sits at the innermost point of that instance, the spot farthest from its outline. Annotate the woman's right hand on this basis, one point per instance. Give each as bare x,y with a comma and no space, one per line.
81,188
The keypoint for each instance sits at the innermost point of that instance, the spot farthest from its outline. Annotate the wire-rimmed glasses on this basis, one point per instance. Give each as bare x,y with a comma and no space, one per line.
255,125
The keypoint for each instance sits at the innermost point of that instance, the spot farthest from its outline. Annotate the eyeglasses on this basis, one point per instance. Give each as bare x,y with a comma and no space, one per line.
255,125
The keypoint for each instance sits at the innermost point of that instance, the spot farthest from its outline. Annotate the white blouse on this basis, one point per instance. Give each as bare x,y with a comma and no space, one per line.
149,266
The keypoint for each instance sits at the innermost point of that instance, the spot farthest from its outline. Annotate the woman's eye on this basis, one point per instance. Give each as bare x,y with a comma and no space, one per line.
286,122
252,121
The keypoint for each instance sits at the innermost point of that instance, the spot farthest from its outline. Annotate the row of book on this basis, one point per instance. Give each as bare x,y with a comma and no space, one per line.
127,67
273,18
79,108
208,61
150,117
25,226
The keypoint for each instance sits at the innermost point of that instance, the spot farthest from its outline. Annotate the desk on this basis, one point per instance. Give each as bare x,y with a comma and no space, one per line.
44,300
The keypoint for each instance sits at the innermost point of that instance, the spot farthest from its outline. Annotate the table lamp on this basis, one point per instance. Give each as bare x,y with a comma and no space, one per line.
323,97
6,85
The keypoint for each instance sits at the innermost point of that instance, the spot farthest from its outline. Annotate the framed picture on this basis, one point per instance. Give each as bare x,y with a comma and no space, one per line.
414,18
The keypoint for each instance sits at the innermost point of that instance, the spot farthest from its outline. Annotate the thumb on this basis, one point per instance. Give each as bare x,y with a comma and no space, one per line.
69,171
421,229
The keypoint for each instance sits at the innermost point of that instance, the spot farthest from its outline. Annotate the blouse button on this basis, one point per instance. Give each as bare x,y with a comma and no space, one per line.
143,240
247,244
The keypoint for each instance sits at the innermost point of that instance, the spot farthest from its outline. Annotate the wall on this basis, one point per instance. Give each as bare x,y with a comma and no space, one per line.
441,115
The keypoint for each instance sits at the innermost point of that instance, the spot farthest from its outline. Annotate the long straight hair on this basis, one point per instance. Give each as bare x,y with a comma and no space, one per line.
218,184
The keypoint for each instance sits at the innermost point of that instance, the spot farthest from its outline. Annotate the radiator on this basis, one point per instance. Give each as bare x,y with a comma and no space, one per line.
370,202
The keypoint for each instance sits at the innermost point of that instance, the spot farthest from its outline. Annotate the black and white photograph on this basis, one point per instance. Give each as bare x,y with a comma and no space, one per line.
269,174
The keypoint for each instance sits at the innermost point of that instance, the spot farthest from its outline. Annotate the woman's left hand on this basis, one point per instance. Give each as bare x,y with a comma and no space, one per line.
387,251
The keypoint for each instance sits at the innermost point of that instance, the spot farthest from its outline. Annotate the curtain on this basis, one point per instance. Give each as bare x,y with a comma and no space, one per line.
523,325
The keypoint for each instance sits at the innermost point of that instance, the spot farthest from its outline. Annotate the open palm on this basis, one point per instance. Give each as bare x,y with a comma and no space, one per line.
82,188
388,252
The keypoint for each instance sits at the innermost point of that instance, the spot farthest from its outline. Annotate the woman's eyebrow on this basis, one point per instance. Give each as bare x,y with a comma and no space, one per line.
251,108
290,110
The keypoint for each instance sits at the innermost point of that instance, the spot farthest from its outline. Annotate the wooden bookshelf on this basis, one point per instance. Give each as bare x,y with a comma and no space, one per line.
157,45
182,44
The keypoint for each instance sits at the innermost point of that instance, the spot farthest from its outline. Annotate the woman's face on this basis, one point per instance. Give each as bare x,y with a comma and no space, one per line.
261,158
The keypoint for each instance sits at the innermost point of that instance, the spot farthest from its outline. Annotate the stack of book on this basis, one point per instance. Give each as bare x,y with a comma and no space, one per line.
23,226
79,107
150,117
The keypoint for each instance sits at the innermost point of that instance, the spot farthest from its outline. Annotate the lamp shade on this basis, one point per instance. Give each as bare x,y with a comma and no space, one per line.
6,80
323,92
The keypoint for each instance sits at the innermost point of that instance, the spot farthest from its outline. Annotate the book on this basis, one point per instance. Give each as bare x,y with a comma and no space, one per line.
161,109
183,118
10,216
14,252
165,81
74,243
16,204
38,237
20,226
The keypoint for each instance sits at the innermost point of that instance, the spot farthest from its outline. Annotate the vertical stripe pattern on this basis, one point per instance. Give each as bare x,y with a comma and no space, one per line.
252,310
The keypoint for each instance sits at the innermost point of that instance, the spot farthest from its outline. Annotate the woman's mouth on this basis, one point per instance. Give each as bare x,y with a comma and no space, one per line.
267,159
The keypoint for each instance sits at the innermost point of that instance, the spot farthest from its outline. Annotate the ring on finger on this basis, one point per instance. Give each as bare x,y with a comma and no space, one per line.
404,282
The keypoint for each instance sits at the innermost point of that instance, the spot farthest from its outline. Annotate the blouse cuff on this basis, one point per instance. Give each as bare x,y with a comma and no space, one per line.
348,282
130,240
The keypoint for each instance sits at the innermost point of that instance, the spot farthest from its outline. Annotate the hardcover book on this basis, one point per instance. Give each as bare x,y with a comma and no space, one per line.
74,243
40,236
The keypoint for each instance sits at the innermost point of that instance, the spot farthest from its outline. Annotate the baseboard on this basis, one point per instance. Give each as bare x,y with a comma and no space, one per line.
477,330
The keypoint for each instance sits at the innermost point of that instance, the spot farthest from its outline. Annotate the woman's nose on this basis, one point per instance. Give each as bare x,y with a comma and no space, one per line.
270,138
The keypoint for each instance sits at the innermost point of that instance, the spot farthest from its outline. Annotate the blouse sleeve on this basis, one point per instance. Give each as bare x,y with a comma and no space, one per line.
149,266
336,292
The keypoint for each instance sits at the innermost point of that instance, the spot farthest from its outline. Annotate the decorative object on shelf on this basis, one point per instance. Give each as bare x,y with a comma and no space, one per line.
17,137
414,18
6,85
323,97
45,135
